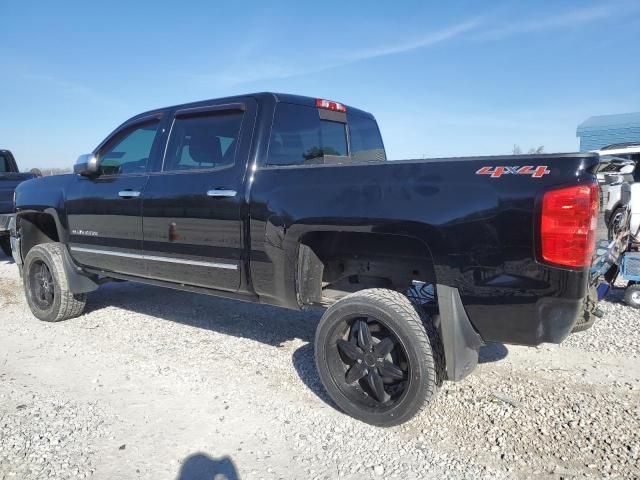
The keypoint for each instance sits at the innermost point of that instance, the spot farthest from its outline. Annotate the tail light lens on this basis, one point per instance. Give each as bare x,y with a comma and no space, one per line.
567,230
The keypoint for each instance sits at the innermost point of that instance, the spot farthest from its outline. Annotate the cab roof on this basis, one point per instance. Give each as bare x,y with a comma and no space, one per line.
260,96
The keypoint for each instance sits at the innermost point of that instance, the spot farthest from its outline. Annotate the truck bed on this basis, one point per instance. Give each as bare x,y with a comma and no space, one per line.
479,230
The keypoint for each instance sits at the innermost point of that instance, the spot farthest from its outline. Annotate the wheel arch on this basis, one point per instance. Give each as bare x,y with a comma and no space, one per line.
35,227
330,264
397,261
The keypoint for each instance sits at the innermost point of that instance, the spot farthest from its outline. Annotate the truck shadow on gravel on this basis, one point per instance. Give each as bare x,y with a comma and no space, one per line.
492,352
262,323
200,466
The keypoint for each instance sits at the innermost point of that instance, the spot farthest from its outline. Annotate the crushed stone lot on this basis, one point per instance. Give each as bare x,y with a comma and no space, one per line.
157,384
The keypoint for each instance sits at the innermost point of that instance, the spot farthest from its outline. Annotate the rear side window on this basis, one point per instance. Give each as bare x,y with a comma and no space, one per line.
203,141
4,164
299,136
366,142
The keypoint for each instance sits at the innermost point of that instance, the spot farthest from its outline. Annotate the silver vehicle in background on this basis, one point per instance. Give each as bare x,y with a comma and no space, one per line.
616,176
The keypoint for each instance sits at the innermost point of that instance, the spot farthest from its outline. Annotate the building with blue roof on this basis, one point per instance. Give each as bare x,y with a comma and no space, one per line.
602,130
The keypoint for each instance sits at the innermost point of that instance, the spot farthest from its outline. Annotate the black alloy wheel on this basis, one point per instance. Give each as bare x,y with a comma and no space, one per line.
373,361
42,284
46,285
378,357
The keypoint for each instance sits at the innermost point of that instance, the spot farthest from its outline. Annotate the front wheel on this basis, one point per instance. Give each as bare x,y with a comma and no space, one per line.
375,358
46,286
5,245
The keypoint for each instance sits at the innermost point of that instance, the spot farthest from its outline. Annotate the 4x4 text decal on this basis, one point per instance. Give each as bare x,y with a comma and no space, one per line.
497,172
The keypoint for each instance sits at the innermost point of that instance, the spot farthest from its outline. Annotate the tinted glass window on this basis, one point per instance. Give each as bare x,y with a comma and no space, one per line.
4,164
636,171
366,142
300,136
204,141
130,151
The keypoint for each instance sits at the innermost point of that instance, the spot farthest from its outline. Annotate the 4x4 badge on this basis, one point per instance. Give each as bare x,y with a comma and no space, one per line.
497,172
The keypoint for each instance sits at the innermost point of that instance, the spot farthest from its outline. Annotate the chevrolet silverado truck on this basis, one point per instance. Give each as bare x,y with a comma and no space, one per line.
290,201
10,178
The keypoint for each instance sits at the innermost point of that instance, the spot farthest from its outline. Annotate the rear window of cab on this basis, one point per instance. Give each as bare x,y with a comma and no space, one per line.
301,136
4,164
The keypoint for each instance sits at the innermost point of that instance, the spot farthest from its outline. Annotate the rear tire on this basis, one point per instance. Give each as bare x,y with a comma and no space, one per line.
383,377
46,287
5,245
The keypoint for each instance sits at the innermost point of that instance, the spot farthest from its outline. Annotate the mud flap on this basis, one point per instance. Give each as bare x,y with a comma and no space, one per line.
78,282
460,340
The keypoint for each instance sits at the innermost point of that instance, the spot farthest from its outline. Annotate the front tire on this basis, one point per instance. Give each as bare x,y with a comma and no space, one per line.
375,358
5,245
46,287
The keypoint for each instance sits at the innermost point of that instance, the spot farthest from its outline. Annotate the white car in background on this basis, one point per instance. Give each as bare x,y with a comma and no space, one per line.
620,183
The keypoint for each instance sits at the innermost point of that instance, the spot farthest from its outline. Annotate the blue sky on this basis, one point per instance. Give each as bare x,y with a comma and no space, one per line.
443,78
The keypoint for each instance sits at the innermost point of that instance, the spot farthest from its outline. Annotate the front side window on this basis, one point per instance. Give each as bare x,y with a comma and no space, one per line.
130,151
4,164
203,141
300,136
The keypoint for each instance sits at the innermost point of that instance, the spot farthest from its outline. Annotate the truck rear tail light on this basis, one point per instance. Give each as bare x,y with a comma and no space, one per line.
329,105
567,230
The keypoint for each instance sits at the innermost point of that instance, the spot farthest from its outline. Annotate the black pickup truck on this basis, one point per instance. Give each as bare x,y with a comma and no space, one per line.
10,178
290,201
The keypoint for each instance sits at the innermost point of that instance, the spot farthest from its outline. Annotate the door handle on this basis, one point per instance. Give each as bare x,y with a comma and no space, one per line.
221,192
128,194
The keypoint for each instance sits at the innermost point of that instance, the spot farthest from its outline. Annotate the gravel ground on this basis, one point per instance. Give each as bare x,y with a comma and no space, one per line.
153,383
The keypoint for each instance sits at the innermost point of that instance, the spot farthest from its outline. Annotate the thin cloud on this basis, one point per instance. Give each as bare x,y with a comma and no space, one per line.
570,19
239,73
75,89
427,40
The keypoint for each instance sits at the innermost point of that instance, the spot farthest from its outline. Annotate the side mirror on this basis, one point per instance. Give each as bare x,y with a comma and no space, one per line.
86,165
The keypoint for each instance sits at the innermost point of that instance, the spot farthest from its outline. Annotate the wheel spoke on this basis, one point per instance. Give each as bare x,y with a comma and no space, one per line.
383,348
39,292
43,271
48,297
350,349
377,387
356,372
389,370
364,335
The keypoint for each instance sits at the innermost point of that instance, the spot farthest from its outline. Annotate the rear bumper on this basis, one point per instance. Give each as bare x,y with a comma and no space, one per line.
557,318
530,316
